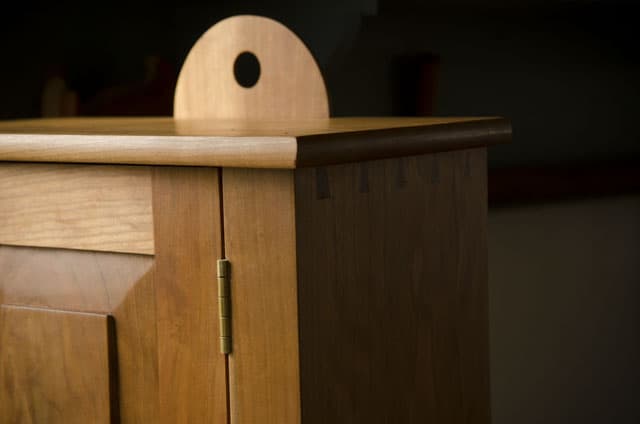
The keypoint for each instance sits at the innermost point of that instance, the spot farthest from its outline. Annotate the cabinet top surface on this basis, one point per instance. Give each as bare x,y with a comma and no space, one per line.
236,143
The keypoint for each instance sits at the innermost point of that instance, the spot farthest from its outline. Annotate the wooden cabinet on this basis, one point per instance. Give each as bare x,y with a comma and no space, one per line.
357,279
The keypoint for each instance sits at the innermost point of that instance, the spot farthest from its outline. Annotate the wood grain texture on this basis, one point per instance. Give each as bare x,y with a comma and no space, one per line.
55,367
240,143
290,85
157,127
70,280
135,318
392,289
191,369
103,208
359,146
260,243
120,285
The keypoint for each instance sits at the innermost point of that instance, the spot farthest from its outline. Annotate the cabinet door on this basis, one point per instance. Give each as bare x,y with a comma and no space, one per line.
107,284
135,246
56,367
188,240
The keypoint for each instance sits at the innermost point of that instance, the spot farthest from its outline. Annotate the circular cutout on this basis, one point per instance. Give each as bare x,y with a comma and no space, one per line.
246,69
290,85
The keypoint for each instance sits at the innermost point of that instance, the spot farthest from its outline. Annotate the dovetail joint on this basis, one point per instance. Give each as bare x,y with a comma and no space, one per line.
224,305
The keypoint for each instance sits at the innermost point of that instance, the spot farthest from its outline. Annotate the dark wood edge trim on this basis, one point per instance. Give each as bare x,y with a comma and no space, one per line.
330,149
114,370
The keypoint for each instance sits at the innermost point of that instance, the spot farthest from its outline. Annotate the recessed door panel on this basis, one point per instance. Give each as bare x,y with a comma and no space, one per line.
56,367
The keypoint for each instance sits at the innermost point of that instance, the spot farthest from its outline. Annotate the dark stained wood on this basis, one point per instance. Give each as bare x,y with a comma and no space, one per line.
260,243
392,290
191,369
55,367
108,283
358,146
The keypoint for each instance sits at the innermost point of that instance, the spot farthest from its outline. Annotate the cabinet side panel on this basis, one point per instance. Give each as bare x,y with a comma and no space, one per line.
191,369
392,269
260,243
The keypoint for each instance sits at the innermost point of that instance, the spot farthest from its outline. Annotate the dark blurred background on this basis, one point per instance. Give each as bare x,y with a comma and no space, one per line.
565,216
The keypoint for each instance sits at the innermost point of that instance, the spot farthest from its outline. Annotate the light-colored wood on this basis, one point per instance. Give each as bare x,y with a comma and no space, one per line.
102,208
180,376
70,280
157,127
135,319
192,375
358,290
240,143
55,367
290,85
116,284
260,243
392,290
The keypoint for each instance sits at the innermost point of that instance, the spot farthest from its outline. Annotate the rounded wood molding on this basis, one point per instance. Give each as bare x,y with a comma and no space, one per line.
289,86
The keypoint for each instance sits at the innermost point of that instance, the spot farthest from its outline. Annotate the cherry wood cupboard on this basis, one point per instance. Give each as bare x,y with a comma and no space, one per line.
249,260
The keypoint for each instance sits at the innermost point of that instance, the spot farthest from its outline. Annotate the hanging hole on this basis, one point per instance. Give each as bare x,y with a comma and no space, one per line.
246,69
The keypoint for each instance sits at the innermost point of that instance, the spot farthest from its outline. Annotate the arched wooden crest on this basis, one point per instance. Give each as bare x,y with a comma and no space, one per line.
290,85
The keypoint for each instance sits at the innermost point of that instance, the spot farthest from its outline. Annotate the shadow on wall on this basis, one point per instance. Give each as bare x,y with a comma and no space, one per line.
565,312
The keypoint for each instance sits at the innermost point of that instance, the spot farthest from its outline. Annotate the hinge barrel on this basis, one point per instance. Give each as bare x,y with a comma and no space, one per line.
224,305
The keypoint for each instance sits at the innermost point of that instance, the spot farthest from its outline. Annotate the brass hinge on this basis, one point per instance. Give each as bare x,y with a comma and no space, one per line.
224,305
